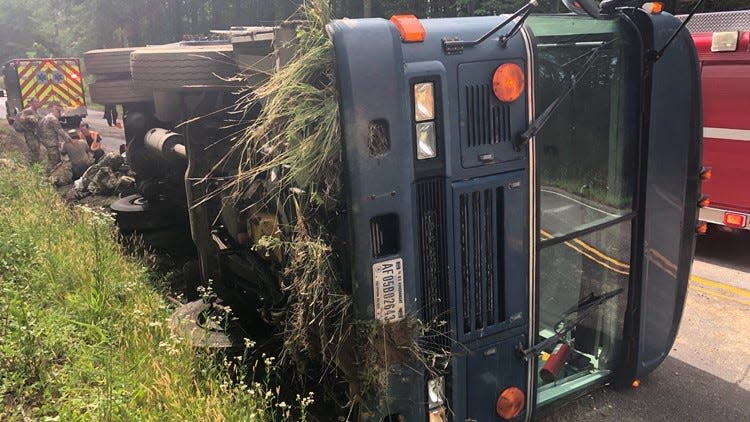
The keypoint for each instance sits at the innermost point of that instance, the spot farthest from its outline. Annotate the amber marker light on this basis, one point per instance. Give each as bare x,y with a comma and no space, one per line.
704,201
508,82
706,173
510,403
635,384
410,27
702,228
654,8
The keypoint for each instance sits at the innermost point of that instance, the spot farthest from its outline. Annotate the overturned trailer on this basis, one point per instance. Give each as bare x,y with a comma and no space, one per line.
525,186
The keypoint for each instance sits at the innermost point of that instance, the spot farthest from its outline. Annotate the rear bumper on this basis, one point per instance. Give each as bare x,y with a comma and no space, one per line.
716,216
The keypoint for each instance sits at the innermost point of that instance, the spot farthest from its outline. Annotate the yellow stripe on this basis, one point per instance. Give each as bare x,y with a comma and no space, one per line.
716,285
64,95
720,296
601,254
656,255
603,264
593,250
44,93
575,248
23,72
73,89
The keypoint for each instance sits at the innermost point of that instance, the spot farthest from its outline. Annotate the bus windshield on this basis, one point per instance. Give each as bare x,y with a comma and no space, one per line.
587,166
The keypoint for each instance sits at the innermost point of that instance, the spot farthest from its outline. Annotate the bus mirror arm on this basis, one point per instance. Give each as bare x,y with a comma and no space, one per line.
537,124
570,319
456,46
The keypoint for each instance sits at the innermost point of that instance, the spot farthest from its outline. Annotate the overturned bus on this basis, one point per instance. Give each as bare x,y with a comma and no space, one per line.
534,184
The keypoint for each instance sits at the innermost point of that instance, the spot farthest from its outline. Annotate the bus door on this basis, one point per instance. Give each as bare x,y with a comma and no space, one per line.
587,167
618,166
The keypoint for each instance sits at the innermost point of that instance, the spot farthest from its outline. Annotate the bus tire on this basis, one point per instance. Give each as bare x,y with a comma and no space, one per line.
205,67
135,213
193,324
118,92
111,61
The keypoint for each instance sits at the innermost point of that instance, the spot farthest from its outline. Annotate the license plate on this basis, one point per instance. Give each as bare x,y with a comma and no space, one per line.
388,290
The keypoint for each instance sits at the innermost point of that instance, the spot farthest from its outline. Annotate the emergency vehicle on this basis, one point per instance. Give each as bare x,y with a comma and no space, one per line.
51,81
534,186
723,43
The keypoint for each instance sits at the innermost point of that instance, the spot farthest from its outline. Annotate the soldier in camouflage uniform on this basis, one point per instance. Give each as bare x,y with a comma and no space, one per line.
52,136
28,124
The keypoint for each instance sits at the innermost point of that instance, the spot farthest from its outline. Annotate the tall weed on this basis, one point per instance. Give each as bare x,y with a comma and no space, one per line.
83,333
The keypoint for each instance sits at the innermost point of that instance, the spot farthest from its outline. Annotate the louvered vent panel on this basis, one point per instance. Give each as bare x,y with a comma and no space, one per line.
487,121
433,260
480,240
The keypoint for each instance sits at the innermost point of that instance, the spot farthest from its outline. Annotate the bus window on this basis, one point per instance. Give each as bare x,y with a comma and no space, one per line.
586,153
587,166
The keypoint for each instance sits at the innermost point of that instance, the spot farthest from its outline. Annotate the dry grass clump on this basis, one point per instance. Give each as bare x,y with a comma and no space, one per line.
292,166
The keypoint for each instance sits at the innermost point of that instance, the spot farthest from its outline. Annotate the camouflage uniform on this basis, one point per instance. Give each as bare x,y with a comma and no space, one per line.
27,123
52,135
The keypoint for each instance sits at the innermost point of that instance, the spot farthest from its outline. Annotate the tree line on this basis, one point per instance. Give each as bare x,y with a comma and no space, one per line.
43,28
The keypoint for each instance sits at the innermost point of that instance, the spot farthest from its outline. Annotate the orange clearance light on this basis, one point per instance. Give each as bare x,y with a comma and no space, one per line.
508,82
510,403
635,384
735,220
410,27
704,201
706,173
654,8
702,228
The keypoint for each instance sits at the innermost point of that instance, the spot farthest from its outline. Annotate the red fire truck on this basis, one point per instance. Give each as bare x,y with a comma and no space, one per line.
723,44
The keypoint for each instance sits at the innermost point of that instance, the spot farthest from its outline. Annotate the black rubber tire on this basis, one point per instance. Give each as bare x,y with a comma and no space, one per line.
181,68
111,61
134,213
131,203
119,92
187,322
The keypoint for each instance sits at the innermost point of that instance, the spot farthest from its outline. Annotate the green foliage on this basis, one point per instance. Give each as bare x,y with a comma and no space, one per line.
38,28
83,333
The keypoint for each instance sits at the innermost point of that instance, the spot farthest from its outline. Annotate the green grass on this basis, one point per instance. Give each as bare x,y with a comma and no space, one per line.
83,330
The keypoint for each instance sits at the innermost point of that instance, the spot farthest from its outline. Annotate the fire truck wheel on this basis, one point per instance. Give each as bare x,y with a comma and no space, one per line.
111,61
118,92
203,325
134,213
180,68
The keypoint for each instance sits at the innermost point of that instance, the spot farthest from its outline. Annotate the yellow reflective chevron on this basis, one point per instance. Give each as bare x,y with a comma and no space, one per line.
51,81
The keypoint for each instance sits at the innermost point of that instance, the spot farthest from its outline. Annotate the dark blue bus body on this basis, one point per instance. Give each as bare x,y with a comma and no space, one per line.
494,238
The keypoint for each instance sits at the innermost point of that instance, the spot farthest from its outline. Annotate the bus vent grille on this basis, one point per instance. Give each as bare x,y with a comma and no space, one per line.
480,237
433,263
487,121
